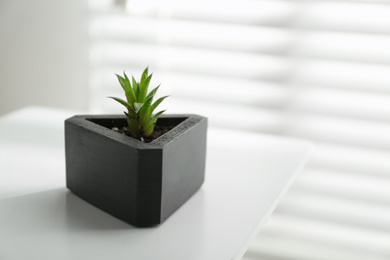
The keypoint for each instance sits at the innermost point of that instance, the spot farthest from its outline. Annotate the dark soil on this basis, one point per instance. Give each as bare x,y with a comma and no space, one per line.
158,131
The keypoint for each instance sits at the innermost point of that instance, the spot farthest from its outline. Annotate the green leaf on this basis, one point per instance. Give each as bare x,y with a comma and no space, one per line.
135,87
145,74
144,112
129,93
137,106
148,130
155,117
150,125
123,83
126,104
143,88
155,104
152,93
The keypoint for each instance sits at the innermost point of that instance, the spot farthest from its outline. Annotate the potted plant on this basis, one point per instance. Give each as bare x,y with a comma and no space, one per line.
139,167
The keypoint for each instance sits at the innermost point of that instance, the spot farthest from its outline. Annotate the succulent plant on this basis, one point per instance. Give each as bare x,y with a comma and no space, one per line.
139,104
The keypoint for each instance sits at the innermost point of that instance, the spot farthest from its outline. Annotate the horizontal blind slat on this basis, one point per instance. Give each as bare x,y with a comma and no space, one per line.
350,17
347,75
268,246
351,47
363,105
340,210
357,160
352,132
191,60
246,11
343,184
360,239
191,33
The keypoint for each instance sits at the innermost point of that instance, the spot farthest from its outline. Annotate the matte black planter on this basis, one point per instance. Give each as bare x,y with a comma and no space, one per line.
139,183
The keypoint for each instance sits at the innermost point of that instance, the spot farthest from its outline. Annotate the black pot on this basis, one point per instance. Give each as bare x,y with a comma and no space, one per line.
139,183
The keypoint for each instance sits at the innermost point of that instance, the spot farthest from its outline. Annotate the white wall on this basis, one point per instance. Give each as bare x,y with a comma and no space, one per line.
43,54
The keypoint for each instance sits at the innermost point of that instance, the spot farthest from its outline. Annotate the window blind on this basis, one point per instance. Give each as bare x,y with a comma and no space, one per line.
313,69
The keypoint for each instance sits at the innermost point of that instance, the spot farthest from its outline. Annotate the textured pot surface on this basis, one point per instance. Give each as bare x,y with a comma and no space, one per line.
139,183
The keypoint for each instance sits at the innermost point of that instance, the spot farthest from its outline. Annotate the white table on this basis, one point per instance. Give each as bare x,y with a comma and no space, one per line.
246,176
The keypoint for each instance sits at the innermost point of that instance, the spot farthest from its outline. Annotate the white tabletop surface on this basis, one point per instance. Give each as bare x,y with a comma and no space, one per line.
246,176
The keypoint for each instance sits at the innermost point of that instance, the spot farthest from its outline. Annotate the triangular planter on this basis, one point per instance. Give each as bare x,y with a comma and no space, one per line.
139,183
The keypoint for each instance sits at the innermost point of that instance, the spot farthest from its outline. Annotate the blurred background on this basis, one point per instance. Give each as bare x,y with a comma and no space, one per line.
312,69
